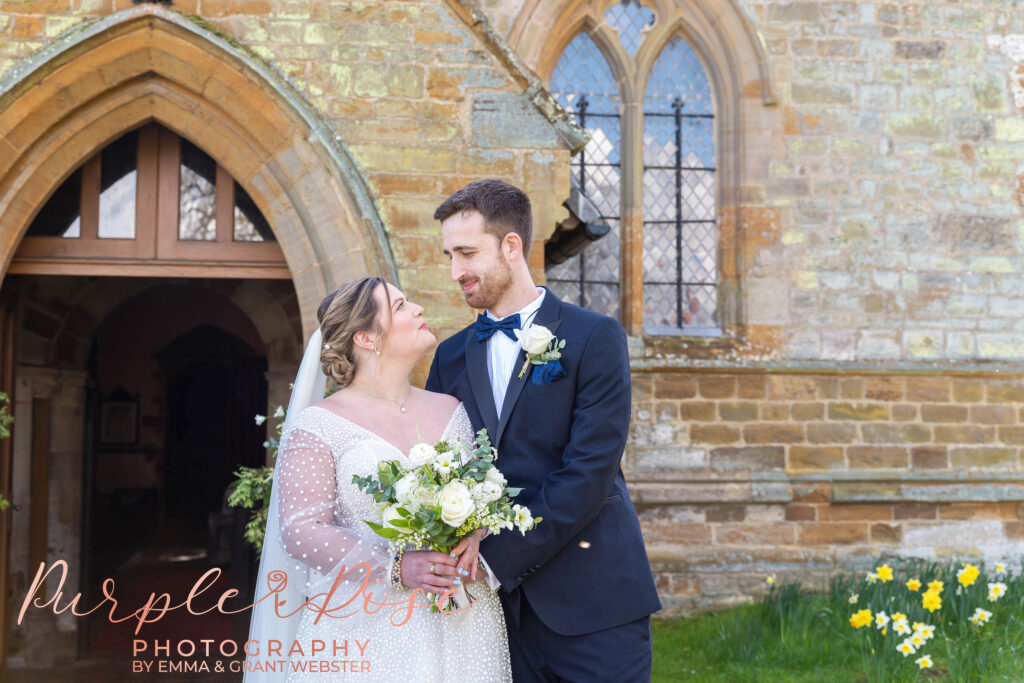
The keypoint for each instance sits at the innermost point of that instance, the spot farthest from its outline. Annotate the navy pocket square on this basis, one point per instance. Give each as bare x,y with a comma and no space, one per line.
552,371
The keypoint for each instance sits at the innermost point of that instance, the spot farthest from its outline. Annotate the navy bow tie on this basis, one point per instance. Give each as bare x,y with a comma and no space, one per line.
485,327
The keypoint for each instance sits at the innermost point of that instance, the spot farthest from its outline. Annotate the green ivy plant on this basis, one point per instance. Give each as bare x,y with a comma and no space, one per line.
252,485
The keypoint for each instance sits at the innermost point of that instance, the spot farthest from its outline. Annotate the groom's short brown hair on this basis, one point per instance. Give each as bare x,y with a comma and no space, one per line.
505,208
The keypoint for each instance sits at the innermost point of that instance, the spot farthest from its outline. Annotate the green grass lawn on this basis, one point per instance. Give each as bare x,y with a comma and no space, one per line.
794,635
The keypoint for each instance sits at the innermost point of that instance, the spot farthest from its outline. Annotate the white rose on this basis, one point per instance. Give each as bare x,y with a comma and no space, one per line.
524,520
535,338
486,492
456,503
404,489
421,454
495,476
389,515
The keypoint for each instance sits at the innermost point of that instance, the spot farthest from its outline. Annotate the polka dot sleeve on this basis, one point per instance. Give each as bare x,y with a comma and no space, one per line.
311,532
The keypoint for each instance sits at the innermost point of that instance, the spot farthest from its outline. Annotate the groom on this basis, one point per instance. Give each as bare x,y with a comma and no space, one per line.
577,590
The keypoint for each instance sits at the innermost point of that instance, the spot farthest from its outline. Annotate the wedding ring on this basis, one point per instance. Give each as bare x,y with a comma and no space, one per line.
431,567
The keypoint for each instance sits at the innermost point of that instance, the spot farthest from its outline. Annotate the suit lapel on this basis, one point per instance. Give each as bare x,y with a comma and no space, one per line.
476,367
548,317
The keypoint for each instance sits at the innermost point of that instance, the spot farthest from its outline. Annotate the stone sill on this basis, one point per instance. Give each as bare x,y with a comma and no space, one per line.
846,487
640,363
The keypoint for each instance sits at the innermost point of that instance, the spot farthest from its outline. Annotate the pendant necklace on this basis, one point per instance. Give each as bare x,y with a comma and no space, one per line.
400,404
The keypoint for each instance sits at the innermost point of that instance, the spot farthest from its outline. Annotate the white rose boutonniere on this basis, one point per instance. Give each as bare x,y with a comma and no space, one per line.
534,339
540,345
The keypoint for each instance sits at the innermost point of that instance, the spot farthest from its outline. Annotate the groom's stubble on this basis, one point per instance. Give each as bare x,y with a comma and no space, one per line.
495,284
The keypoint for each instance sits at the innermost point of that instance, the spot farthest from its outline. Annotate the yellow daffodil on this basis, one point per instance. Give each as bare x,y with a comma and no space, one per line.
770,580
901,628
1000,568
854,598
931,601
935,586
871,577
861,618
905,648
924,662
899,616
926,631
884,573
917,640
996,591
918,625
914,585
968,575
980,617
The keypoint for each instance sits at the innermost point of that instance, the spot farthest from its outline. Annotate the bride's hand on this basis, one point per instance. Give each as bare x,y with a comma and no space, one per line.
467,551
416,571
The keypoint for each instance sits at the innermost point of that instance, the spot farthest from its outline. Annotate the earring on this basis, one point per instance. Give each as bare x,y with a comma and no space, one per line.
376,350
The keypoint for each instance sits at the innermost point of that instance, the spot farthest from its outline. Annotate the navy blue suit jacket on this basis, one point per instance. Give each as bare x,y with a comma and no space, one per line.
584,568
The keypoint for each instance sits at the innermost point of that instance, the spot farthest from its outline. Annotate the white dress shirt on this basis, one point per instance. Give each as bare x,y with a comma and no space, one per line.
502,352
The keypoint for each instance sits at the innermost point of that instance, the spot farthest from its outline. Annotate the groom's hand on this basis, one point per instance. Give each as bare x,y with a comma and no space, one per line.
433,572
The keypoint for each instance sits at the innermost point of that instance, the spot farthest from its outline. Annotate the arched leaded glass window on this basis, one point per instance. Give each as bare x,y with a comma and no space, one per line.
680,217
651,169
583,84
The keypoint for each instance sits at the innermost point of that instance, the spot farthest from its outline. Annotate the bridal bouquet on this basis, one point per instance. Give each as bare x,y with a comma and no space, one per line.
446,491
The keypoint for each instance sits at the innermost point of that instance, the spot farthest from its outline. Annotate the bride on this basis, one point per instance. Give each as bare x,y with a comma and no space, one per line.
369,340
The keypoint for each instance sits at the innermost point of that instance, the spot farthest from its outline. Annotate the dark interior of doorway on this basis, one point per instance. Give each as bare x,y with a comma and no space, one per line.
157,541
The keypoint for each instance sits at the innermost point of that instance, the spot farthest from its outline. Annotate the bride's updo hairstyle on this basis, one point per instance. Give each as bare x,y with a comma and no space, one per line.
349,309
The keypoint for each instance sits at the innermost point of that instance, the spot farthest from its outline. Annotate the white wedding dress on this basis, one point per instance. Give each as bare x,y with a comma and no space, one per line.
322,525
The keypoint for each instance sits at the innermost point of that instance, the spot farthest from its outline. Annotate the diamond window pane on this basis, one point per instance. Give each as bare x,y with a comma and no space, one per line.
197,207
582,71
680,260
659,195
603,299
601,259
700,262
698,136
660,306
678,73
569,270
583,83
702,304
566,291
660,253
697,191
632,21
602,185
659,141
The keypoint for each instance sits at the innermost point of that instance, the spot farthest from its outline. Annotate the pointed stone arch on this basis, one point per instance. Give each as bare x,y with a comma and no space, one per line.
150,64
